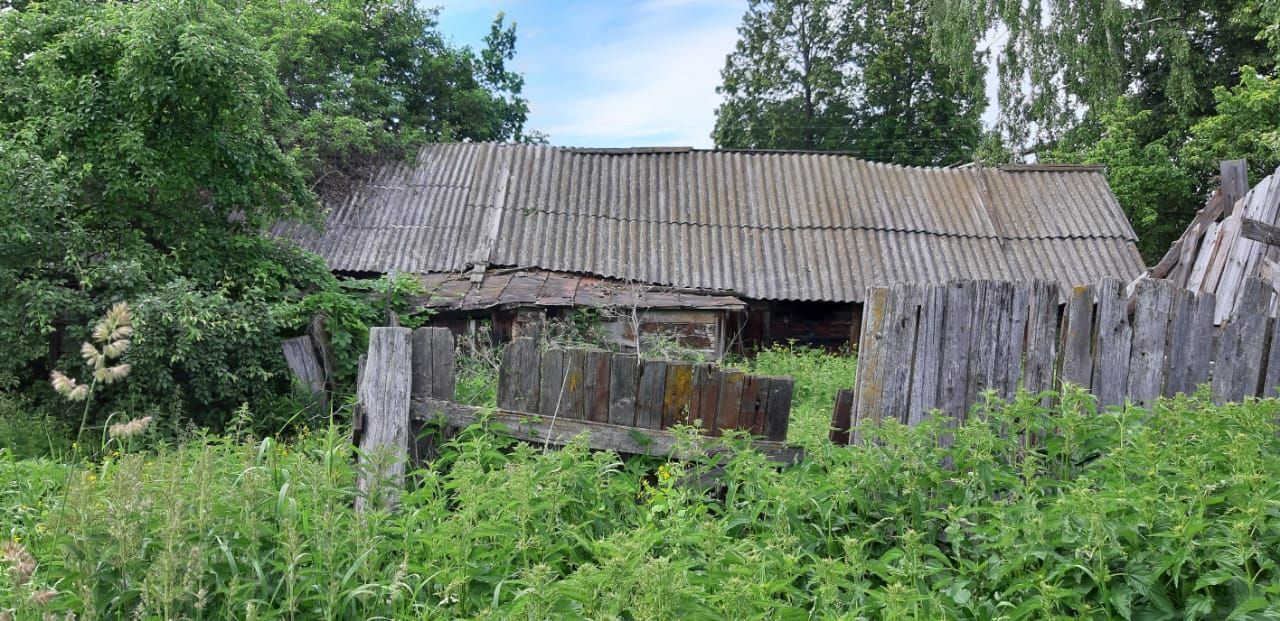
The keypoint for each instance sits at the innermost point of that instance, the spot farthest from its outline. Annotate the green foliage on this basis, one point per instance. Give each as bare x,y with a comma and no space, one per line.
1245,124
849,76
818,375
1118,514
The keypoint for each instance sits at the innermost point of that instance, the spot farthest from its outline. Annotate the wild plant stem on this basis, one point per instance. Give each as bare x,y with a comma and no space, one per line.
84,418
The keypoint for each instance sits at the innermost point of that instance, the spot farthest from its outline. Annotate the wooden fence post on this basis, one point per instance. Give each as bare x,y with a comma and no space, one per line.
384,394
434,377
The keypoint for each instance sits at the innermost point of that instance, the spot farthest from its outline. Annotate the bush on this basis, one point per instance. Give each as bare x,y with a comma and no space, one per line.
1118,514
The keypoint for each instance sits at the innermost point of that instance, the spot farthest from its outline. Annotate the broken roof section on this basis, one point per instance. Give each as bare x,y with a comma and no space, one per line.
511,288
770,226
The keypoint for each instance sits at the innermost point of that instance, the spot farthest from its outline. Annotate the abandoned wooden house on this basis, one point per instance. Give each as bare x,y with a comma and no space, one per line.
721,249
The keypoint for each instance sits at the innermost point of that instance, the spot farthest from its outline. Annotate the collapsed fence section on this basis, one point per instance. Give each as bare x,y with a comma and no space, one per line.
927,348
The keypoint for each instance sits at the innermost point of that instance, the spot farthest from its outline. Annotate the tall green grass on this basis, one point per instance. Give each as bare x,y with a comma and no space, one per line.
1123,514
818,376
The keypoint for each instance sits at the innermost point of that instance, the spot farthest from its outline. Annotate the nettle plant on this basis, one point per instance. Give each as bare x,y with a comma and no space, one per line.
111,335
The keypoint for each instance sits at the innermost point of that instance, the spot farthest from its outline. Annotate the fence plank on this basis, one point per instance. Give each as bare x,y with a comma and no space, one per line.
518,376
652,387
1111,351
1182,306
597,386
1271,378
300,356
1042,338
957,324
899,347
551,382
872,362
1195,340
777,409
706,396
574,402
384,395
1237,372
989,317
1014,340
624,377
1077,339
926,374
1147,367
842,418
677,394
754,390
443,370
729,403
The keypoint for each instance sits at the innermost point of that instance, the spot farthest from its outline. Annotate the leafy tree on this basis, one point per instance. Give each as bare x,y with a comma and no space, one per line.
856,76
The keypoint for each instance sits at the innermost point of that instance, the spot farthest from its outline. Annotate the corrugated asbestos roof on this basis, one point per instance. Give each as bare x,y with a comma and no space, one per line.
774,226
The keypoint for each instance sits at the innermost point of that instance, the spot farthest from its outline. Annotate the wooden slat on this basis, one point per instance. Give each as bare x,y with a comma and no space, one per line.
1042,338
1260,232
706,396
841,418
926,373
518,376
652,387
1182,305
1242,351
1112,347
1191,345
384,397
1013,337
1195,280
574,402
899,349
872,353
1271,376
729,402
677,395
990,315
624,379
301,358
755,390
600,436
1150,337
597,386
443,369
777,409
952,398
551,382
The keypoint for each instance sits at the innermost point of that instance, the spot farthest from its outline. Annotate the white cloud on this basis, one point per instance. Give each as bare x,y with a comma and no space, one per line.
654,83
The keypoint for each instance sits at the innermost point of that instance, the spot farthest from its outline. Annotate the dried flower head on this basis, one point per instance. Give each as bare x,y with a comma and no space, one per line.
129,429
91,355
43,596
21,563
107,375
115,349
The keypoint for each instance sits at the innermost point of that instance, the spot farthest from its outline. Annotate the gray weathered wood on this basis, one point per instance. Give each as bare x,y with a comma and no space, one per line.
899,347
551,382
443,369
677,394
872,353
301,357
600,436
1042,338
990,318
624,378
706,396
652,387
1147,368
518,376
729,401
1113,344
755,393
953,400
384,396
777,409
1013,338
1191,344
926,373
1260,232
1271,376
573,403
1237,369
598,379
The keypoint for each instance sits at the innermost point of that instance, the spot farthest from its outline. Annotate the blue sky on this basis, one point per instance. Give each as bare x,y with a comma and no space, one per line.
612,73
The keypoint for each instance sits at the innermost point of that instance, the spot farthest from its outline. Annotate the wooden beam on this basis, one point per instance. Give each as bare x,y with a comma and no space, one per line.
560,431
1260,232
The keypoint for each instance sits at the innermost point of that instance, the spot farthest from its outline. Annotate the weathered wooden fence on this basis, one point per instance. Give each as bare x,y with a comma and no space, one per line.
623,390
408,379
927,348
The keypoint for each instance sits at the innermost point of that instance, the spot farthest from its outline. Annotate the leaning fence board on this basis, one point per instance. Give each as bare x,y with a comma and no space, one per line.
841,418
1236,372
1042,338
1112,348
1150,337
518,376
301,357
777,408
600,436
432,362
384,396
677,394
